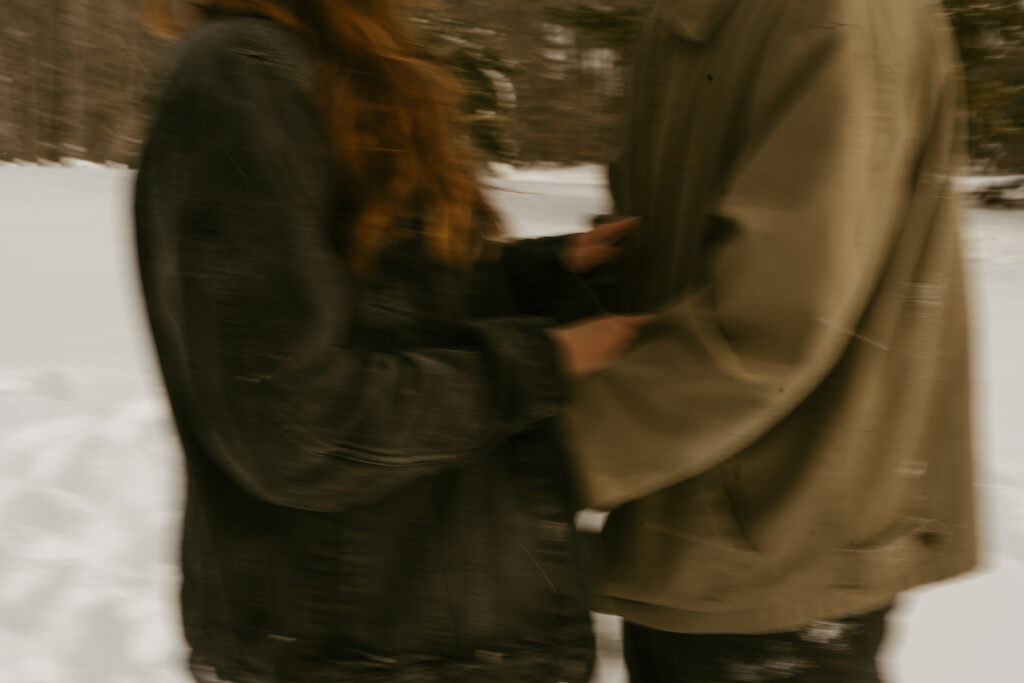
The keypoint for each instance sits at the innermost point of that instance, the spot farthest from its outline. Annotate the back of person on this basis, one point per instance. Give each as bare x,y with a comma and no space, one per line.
375,492
791,441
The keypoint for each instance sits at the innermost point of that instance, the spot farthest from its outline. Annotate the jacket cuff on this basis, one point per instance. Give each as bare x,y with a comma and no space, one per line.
522,363
542,284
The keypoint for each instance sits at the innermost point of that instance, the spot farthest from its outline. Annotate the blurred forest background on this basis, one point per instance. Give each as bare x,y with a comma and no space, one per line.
545,77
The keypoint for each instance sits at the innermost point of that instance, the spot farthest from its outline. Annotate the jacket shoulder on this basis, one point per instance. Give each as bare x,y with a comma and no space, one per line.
228,46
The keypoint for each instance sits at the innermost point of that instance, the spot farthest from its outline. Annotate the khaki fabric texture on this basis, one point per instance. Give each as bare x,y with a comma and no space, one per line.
791,439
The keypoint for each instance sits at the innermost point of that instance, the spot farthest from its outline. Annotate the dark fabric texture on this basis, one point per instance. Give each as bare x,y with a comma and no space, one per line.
543,286
375,486
840,651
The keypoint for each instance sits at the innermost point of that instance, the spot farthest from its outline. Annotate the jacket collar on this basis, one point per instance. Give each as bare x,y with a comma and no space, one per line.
694,20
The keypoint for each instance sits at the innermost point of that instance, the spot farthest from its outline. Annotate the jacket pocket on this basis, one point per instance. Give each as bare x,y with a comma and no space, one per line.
684,549
890,558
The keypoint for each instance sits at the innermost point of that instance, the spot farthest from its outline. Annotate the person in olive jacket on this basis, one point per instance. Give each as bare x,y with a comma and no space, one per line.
788,447
364,396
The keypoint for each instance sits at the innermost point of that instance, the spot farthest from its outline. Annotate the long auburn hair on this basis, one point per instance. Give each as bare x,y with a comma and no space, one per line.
391,117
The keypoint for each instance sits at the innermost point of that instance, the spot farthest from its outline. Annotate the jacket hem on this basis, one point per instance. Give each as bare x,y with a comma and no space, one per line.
797,610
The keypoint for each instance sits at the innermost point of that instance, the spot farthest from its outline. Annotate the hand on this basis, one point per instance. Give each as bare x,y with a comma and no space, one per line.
595,344
588,250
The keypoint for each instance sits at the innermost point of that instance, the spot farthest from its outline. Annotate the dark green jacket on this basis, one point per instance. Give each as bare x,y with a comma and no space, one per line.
374,489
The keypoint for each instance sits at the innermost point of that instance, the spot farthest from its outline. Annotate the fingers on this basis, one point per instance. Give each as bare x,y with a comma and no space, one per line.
598,254
610,232
630,326
597,343
588,250
582,257
640,319
625,327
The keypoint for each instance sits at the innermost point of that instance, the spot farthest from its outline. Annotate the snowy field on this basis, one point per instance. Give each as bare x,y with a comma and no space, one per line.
90,480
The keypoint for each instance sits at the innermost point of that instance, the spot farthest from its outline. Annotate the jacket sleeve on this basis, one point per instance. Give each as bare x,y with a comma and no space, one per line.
811,209
233,201
541,283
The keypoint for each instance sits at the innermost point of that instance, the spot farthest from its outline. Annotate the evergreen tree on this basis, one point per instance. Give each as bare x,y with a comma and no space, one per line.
544,78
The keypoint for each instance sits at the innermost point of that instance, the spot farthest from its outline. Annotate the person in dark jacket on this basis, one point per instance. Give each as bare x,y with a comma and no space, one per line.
364,395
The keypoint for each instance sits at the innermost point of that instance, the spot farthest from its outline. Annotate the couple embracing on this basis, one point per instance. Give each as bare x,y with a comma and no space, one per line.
390,417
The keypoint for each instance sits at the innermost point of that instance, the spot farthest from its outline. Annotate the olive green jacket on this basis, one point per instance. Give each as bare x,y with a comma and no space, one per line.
790,441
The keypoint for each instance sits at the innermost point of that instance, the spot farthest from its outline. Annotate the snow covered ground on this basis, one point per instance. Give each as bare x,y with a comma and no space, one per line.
90,478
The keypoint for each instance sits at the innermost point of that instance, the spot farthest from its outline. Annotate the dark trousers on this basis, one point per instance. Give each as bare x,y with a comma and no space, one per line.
841,651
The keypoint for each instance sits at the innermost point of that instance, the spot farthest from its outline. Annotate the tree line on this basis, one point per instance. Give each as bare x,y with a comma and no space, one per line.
544,78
